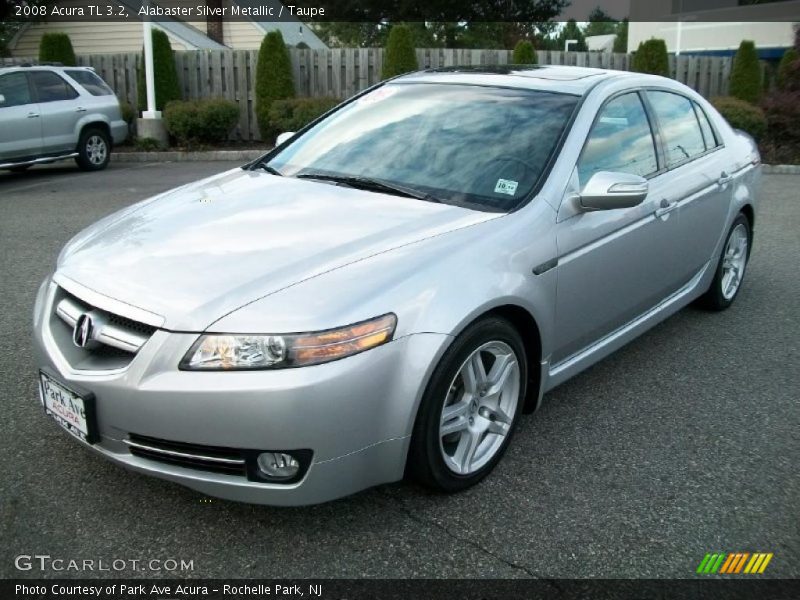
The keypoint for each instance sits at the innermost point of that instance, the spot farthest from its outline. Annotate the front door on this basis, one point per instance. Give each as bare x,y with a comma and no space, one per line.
614,264
20,121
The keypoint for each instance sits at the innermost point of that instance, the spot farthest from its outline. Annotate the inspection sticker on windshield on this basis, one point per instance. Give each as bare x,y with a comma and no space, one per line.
506,186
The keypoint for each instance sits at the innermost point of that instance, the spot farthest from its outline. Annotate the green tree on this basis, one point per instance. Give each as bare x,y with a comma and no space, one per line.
745,82
600,23
651,57
524,54
273,80
57,47
571,31
165,75
621,41
400,56
788,67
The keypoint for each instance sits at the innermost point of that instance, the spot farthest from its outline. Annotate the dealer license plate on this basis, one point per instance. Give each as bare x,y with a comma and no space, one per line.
73,412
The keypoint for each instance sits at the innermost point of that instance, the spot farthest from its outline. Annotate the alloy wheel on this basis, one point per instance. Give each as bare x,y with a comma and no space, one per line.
734,261
480,407
96,150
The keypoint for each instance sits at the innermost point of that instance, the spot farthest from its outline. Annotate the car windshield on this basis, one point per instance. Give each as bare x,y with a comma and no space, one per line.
478,146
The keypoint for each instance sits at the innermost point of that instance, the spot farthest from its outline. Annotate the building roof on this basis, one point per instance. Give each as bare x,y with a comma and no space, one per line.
179,29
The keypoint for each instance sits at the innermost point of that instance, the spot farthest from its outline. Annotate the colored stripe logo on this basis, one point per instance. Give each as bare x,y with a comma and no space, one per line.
734,563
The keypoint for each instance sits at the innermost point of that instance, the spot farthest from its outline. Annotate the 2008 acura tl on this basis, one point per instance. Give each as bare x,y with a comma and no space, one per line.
389,289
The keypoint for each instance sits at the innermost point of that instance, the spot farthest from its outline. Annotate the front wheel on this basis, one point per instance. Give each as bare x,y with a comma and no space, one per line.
731,267
94,150
471,407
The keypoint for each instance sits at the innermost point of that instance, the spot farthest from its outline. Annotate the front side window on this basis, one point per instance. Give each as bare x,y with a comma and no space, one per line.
679,126
14,88
51,88
91,82
478,146
620,141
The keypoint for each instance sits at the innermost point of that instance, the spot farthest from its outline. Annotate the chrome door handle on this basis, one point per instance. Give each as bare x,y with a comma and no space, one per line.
724,178
80,109
666,207
32,115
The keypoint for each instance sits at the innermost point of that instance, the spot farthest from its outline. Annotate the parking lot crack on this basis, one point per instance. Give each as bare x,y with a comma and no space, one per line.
414,516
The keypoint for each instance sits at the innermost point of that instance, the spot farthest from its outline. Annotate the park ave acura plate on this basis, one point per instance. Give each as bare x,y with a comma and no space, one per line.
73,411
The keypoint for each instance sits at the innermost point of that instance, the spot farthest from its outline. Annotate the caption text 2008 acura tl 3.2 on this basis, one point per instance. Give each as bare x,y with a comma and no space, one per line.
388,290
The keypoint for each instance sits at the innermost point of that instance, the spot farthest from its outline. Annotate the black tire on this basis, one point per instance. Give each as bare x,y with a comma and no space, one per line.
715,298
20,168
425,461
91,156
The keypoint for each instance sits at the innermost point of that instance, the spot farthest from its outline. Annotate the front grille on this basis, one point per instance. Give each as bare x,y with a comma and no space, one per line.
194,456
114,339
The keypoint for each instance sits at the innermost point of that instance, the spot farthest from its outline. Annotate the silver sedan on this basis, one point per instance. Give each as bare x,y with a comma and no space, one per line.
388,290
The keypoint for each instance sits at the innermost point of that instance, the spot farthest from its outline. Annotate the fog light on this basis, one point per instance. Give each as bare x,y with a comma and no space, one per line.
278,465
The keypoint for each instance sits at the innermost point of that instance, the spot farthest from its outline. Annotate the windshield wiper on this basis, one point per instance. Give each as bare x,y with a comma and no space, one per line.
367,183
267,168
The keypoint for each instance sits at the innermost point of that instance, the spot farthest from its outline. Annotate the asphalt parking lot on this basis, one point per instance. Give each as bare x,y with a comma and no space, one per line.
683,443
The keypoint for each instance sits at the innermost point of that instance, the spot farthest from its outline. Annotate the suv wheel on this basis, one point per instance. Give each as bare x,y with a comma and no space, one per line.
94,150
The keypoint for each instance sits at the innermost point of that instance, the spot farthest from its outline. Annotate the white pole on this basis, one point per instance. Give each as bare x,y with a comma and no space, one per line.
151,112
678,38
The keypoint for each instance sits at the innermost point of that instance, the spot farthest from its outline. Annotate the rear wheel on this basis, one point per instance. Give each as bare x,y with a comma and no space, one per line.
471,407
731,267
94,150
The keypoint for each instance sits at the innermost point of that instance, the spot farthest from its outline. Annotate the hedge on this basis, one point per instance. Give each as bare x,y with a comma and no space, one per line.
524,53
745,82
293,114
651,57
742,115
57,48
400,56
273,80
205,121
165,75
788,76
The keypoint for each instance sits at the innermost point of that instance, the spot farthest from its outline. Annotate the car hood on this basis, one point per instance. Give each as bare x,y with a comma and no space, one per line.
193,255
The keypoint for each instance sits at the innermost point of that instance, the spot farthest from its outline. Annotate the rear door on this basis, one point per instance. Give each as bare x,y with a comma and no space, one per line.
700,186
20,121
59,109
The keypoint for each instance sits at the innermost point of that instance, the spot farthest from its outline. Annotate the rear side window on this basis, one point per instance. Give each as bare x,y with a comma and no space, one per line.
620,140
14,88
91,82
705,126
51,88
679,126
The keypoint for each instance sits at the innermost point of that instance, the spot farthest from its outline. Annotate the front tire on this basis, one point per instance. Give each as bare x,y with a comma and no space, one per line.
731,267
470,408
94,150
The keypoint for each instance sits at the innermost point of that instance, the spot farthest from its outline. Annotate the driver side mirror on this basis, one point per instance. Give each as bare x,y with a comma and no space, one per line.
2,99
607,190
283,137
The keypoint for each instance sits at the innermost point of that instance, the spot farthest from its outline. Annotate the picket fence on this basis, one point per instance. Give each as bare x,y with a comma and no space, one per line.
342,72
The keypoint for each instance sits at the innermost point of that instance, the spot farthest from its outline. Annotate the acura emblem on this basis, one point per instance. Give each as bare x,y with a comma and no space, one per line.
83,331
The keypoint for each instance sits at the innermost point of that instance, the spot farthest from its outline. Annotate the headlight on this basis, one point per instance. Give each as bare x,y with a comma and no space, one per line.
219,352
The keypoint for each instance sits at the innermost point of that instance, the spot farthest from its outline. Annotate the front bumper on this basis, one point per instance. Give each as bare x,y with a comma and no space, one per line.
355,414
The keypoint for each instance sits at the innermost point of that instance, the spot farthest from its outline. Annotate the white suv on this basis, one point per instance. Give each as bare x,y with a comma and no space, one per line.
51,113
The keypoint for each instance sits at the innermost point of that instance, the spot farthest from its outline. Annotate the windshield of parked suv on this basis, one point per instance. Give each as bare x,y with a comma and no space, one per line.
482,147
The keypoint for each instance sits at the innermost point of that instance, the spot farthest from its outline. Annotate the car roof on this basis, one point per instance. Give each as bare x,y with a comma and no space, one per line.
552,78
9,68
